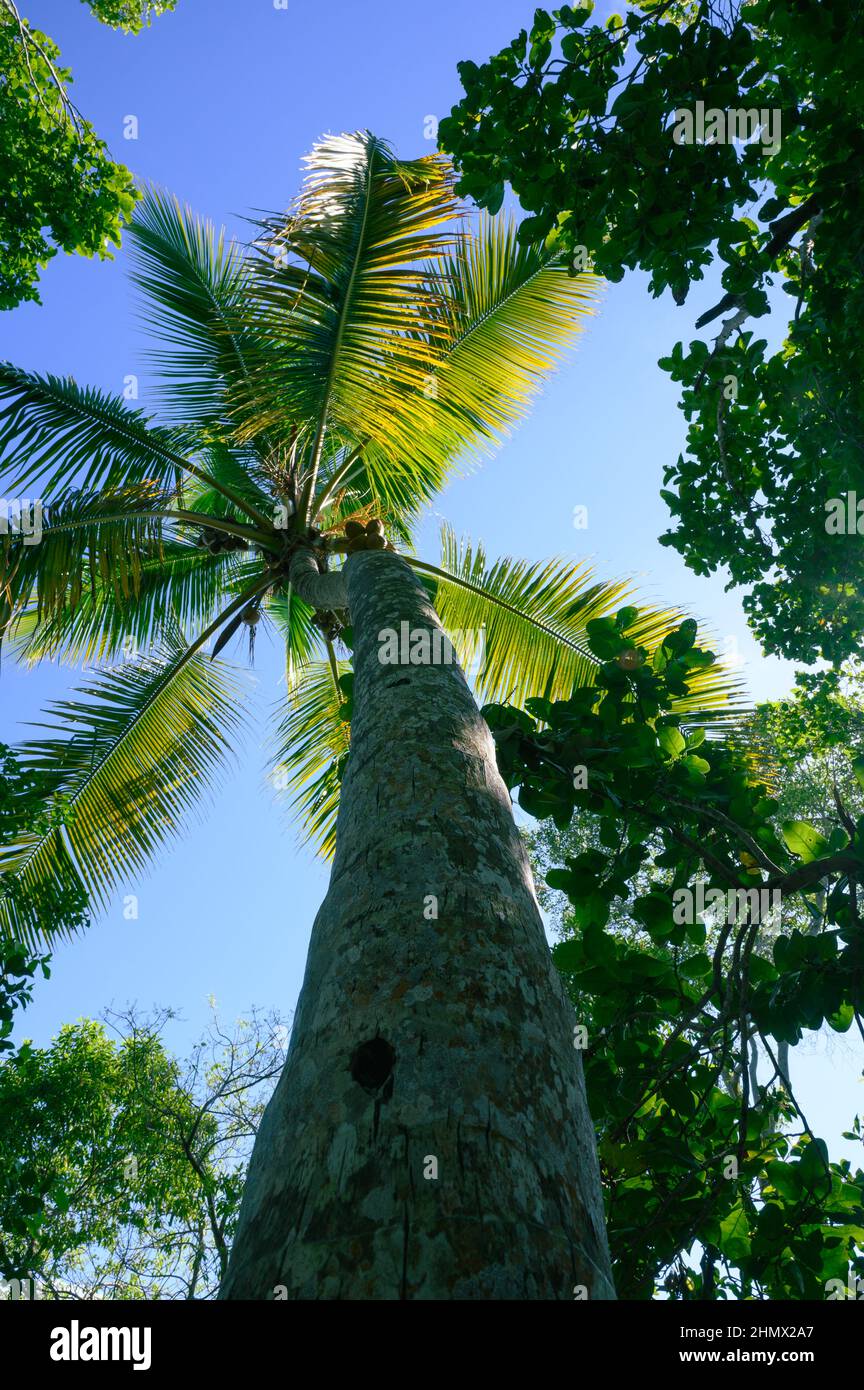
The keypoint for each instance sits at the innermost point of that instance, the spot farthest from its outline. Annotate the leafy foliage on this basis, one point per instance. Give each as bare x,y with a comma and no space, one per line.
121,1169
17,971
59,189
130,15
582,127
673,1000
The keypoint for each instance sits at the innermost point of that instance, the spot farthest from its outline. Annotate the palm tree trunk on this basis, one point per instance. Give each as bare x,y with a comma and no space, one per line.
429,1137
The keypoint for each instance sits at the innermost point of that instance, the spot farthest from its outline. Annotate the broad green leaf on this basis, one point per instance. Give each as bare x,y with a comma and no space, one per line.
803,840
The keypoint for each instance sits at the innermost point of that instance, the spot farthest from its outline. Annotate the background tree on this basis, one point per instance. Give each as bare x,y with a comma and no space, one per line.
579,120
810,744
699,1141
121,1168
59,188
129,15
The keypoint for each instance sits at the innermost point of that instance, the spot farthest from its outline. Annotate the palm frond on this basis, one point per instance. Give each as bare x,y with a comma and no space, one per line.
506,313
229,470
88,539
294,621
181,585
193,285
524,628
56,436
310,747
509,313
526,622
341,298
130,754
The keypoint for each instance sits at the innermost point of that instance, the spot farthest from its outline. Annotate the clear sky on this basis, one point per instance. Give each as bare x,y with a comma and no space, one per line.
229,95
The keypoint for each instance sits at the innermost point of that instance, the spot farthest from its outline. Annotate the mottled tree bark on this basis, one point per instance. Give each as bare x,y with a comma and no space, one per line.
429,1137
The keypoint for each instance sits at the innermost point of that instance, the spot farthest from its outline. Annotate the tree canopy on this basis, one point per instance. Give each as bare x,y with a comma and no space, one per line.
330,379
704,930
121,1167
130,15
60,190
588,124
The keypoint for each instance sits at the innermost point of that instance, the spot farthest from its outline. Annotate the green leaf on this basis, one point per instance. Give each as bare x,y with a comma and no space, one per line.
695,967
568,955
605,638
671,740
841,1019
494,198
561,879
735,1234
697,766
803,840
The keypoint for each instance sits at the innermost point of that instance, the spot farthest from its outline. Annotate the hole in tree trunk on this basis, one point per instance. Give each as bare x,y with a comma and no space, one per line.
372,1067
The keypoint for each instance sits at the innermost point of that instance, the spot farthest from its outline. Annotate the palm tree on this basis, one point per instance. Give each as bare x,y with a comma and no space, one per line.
429,1137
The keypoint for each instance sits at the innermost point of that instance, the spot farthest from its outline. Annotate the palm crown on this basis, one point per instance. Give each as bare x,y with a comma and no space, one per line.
340,369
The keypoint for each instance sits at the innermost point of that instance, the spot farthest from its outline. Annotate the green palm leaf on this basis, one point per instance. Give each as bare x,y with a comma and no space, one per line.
506,313
87,539
231,472
181,585
131,755
294,621
61,437
342,303
310,748
527,623
193,285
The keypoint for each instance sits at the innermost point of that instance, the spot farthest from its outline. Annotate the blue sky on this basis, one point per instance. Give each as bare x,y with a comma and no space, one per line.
229,95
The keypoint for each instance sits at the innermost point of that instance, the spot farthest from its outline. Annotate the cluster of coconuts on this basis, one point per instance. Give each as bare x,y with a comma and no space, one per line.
218,542
368,537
